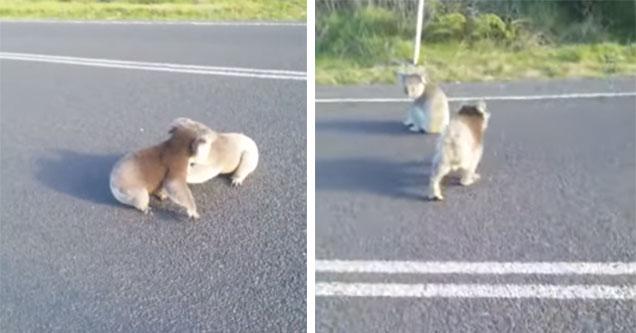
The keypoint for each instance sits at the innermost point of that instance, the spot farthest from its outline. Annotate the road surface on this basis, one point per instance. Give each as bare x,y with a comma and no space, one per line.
74,260
557,187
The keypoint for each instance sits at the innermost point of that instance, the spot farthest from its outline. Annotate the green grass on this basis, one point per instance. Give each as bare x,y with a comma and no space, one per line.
448,62
286,10
369,44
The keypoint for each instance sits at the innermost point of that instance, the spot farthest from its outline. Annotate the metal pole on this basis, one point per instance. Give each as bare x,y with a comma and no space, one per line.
418,32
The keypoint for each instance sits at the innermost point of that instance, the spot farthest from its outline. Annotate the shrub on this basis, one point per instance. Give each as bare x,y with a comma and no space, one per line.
492,27
446,27
455,27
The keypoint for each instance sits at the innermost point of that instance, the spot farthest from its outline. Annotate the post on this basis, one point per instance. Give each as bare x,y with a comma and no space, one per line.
418,32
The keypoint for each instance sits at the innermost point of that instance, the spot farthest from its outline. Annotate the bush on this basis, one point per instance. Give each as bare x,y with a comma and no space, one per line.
492,27
456,27
446,27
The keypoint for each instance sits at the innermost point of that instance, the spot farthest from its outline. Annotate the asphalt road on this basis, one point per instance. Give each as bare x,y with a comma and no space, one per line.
558,185
265,47
74,260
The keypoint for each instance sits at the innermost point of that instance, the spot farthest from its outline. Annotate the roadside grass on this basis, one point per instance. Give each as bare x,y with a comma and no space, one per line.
484,61
364,45
174,10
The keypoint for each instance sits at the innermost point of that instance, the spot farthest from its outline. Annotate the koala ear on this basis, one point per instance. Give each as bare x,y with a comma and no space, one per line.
180,122
174,125
423,76
481,106
173,128
196,144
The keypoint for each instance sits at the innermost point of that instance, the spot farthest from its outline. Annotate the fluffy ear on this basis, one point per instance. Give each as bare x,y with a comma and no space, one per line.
423,76
481,106
424,79
486,120
196,145
200,149
179,122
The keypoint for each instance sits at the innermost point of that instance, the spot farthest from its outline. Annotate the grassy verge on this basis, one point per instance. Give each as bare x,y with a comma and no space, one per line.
369,44
288,10
447,62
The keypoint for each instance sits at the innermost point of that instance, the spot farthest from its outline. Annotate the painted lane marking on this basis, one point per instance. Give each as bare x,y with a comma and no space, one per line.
157,66
476,98
475,291
458,267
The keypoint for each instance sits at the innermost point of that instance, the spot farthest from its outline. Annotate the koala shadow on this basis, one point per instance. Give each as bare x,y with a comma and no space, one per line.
384,127
393,179
81,175
408,180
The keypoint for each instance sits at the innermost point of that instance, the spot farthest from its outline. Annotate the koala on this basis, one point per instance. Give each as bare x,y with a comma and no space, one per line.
460,148
160,170
429,111
224,153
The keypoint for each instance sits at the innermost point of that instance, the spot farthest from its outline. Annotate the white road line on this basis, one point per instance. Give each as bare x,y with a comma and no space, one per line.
362,100
476,291
156,66
15,55
196,23
496,268
475,98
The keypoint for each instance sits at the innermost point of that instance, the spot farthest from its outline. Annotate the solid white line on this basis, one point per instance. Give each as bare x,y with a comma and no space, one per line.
164,69
475,290
475,98
196,23
154,66
497,268
20,56
362,100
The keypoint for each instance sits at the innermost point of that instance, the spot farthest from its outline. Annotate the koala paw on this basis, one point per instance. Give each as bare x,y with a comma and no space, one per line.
162,195
465,181
435,196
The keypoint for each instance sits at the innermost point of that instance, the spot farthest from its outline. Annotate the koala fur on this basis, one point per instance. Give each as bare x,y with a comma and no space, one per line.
225,153
160,170
460,148
429,111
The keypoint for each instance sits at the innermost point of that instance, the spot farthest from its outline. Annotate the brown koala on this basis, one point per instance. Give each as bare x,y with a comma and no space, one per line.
460,147
160,170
